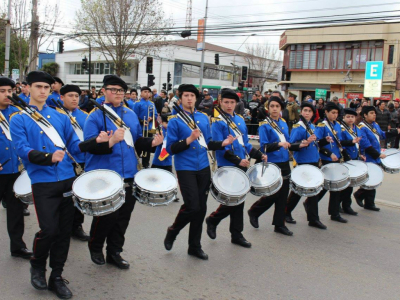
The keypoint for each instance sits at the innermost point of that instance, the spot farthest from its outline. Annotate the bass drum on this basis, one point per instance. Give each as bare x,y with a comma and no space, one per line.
375,178
267,184
306,180
391,164
229,186
23,188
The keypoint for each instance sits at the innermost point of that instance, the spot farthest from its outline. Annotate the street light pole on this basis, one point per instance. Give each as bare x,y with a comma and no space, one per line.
234,58
8,42
202,51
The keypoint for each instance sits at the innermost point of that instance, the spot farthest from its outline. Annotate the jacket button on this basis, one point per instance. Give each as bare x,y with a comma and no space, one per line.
44,147
41,132
6,148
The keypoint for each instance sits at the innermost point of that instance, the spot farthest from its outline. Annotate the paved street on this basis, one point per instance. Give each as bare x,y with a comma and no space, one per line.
354,261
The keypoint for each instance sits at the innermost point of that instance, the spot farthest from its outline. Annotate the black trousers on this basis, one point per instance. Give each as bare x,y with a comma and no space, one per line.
15,208
367,195
146,158
194,187
345,197
78,216
112,227
279,199
55,215
167,168
334,197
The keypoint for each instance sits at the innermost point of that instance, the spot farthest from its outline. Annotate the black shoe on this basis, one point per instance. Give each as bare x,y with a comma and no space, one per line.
4,203
199,253
338,218
350,211
169,239
358,200
58,285
290,220
305,204
317,224
38,279
97,258
80,234
26,212
241,242
283,230
176,200
117,260
23,253
372,207
211,229
341,210
253,219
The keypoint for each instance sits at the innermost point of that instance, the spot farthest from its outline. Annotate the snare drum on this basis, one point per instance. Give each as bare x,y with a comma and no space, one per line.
306,180
268,184
391,164
155,187
98,192
229,186
23,188
358,172
375,179
337,177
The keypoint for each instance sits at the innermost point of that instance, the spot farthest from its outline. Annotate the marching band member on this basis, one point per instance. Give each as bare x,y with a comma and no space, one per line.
25,92
232,155
162,159
274,134
55,95
372,149
188,138
132,100
303,132
123,160
51,176
9,174
70,96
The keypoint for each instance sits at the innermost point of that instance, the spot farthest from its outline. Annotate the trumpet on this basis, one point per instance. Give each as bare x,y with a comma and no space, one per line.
146,125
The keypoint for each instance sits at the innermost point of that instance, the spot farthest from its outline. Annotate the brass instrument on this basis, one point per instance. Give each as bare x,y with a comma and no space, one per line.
146,129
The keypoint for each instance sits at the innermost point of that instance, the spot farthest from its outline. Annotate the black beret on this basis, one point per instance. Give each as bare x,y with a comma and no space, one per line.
4,81
366,109
276,99
39,76
70,88
57,79
133,90
188,88
307,104
349,111
164,117
331,106
24,83
114,80
229,94
145,88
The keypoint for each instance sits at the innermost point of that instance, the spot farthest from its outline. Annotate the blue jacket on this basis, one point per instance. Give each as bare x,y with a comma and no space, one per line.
101,100
7,147
123,159
220,131
141,110
322,131
268,135
25,98
371,140
55,96
307,154
167,161
28,136
353,150
194,158
131,104
80,117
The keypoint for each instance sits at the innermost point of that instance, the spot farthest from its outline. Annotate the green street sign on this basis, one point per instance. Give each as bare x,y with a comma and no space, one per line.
319,93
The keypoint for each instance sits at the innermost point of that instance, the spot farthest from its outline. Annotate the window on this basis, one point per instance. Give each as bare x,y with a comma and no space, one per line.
391,54
226,76
190,71
210,73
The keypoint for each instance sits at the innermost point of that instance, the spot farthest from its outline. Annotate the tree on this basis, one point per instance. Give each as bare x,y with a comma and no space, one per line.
51,68
120,28
265,61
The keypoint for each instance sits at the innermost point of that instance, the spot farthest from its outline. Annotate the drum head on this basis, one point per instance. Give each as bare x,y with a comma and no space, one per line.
307,176
271,175
23,186
231,181
156,180
335,172
392,161
356,168
375,174
97,184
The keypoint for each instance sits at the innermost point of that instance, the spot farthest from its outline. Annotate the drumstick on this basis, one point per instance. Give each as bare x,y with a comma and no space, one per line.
4,163
264,166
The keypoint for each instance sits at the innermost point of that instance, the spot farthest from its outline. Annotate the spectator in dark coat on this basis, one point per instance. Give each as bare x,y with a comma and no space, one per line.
383,120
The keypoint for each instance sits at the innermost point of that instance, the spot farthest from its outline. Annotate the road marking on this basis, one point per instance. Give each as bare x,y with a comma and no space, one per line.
388,203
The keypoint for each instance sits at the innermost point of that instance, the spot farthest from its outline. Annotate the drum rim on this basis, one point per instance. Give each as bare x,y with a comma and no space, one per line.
252,184
15,183
382,172
236,170
358,162
157,170
308,165
390,150
339,164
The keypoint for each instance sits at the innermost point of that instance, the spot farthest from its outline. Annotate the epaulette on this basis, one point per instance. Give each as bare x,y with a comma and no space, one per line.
240,116
283,120
203,113
83,111
93,110
321,125
137,101
60,111
14,113
171,117
262,123
215,119
17,107
296,125
343,129
360,126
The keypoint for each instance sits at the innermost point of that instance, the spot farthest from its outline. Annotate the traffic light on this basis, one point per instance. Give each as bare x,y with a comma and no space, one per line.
241,85
150,80
217,59
149,65
169,77
84,63
244,73
164,86
169,86
60,46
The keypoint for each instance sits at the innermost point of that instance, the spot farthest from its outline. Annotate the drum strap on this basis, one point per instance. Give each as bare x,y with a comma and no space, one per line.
5,126
329,126
202,140
373,130
276,129
127,134
351,132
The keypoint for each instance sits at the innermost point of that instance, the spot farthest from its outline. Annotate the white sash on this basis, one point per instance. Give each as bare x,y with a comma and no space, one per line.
351,134
369,128
78,132
334,136
201,139
281,136
301,123
239,136
127,135
4,128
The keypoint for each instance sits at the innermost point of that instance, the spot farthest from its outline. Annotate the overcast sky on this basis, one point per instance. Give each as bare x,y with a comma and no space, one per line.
233,11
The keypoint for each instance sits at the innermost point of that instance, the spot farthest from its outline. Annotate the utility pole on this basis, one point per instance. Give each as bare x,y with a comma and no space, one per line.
8,42
33,42
203,50
90,64
159,77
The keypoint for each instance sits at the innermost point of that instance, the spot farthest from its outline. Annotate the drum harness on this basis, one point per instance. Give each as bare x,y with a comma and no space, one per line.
353,134
342,151
75,125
